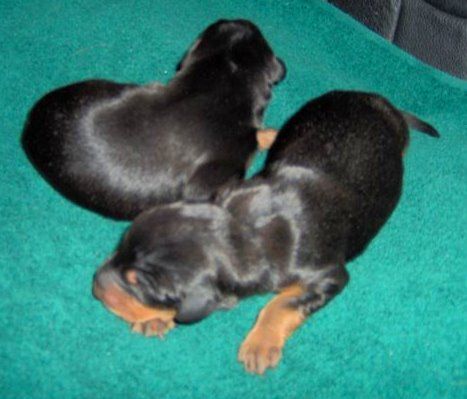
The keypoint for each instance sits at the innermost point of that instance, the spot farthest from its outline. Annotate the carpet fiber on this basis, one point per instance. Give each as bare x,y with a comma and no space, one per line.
397,331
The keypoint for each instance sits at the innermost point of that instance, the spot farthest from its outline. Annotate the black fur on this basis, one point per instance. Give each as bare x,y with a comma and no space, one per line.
118,149
333,178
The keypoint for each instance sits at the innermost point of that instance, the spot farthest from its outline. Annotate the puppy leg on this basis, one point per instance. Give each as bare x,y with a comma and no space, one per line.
262,347
205,182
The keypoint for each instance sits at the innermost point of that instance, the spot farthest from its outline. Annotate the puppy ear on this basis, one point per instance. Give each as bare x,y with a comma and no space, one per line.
243,57
188,57
279,70
196,305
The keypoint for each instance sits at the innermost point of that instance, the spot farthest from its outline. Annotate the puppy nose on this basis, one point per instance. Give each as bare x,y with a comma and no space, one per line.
100,283
97,289
101,279
105,290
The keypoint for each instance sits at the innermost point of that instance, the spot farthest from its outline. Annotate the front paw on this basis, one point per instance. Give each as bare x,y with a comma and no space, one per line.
266,138
155,327
260,352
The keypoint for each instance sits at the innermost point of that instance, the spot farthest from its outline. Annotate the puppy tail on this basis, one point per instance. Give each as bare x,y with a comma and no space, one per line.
418,124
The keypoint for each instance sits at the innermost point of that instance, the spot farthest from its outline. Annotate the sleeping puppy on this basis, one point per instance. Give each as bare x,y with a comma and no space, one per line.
333,178
118,149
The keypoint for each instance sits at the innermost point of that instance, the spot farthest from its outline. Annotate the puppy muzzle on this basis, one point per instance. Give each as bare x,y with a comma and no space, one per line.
106,289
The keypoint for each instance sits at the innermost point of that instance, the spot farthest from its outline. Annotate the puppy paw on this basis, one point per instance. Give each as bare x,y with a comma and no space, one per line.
155,327
266,138
260,352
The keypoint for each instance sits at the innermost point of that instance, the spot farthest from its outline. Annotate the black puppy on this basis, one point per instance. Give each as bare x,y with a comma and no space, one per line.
333,178
118,149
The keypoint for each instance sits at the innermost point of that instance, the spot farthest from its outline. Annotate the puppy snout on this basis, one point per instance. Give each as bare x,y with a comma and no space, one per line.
104,290
101,280
99,286
96,288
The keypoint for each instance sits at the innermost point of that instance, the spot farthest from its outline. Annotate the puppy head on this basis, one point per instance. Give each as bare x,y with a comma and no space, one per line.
240,44
165,262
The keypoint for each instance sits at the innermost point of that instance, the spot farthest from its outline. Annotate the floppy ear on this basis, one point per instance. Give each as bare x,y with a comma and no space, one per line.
188,57
196,305
279,70
244,57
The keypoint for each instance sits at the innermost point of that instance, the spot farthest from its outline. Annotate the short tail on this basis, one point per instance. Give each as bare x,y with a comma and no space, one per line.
419,125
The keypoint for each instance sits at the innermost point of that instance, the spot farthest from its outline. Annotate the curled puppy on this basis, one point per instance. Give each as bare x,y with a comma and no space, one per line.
333,178
118,149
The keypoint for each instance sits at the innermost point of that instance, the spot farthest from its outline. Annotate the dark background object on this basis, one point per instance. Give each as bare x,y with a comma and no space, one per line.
435,31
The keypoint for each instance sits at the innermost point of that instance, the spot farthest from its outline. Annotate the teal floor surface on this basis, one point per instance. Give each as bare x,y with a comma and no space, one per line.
398,330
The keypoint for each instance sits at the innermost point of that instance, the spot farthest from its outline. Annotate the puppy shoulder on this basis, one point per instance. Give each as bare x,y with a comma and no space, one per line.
248,200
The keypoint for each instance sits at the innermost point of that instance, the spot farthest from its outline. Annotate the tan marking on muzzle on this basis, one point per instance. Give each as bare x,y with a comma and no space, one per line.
129,308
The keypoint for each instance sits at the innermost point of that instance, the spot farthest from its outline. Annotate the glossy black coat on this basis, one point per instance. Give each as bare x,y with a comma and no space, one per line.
118,149
333,178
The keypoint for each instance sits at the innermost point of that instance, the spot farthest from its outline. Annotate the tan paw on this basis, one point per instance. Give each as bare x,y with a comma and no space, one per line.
155,327
259,352
266,138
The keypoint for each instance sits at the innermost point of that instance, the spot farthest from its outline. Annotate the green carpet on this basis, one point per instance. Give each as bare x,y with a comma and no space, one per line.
397,331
